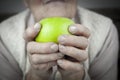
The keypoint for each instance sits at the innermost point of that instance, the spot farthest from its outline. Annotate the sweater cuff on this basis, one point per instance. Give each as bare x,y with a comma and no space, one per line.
86,76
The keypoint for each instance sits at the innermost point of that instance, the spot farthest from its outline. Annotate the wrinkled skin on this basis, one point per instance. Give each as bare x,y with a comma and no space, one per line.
43,56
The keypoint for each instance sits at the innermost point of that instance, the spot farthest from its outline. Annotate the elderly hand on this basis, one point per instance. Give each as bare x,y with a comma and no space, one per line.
42,56
74,46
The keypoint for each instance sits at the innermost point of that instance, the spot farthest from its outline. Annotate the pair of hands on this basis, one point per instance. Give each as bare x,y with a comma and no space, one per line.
43,56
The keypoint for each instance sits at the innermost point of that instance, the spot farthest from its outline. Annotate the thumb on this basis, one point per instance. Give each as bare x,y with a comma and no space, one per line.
31,32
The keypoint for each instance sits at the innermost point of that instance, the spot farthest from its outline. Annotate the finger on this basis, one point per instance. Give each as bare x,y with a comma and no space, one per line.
80,30
68,65
32,32
41,48
44,66
80,55
71,40
39,59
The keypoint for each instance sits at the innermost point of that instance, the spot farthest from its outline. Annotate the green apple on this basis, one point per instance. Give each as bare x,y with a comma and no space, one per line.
52,28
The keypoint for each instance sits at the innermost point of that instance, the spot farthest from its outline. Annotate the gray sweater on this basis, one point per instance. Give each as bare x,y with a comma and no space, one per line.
102,50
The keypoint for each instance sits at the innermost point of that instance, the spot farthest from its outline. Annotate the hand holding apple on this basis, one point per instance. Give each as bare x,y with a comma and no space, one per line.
73,46
42,56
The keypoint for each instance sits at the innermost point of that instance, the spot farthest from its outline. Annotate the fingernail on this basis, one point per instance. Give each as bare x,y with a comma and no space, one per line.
60,55
73,29
61,39
59,61
54,47
37,27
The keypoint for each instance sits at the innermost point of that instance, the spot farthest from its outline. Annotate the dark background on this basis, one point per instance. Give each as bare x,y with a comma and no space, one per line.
110,8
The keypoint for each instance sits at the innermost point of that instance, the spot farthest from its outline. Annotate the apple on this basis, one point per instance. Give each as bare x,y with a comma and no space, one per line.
52,28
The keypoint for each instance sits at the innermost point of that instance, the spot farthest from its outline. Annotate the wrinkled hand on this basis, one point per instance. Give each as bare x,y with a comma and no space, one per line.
42,56
74,46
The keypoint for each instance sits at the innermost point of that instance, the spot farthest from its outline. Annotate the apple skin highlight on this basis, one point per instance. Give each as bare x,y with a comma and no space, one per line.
52,28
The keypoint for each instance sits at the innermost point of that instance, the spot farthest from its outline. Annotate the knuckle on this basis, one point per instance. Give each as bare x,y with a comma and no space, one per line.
54,56
82,55
81,28
50,47
63,39
34,59
30,58
85,55
62,48
28,33
30,47
84,42
88,32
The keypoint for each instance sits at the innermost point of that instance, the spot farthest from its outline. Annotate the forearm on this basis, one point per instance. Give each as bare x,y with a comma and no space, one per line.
32,75
79,75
